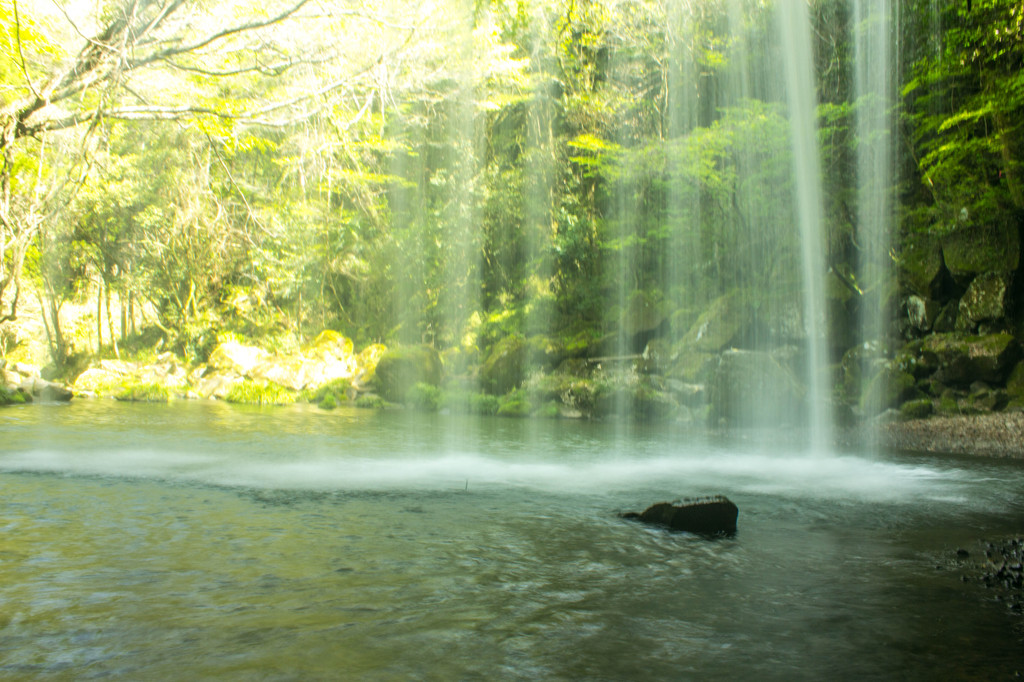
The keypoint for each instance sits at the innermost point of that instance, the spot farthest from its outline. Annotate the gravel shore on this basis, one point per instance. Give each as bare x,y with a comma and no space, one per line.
989,435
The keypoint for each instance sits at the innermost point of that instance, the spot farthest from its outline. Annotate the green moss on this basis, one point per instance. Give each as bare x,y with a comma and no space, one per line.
916,409
370,402
337,389
12,396
948,405
144,393
255,393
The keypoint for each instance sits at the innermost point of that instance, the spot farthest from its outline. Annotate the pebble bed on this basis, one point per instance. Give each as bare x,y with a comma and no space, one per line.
989,435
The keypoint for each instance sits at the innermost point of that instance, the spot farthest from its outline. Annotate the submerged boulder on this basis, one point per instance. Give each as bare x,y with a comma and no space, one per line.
714,515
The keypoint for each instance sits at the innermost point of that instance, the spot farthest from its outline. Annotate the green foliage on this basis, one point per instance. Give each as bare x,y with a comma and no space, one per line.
144,393
370,402
469,402
515,403
965,104
335,390
258,393
424,397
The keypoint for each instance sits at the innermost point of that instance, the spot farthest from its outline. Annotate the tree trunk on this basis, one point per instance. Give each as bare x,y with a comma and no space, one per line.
110,321
99,318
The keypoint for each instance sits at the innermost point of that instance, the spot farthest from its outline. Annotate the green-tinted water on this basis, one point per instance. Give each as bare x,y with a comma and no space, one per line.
203,541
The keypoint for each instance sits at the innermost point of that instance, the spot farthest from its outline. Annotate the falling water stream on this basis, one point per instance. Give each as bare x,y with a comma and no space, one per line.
199,541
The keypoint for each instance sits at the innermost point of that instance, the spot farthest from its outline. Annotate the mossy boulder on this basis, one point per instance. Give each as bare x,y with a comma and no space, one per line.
401,367
236,357
972,250
719,326
752,388
890,387
921,266
505,366
963,359
13,396
693,366
644,314
330,342
919,408
1015,382
984,301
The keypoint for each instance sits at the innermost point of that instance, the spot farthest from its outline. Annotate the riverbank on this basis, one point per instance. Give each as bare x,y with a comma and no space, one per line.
999,434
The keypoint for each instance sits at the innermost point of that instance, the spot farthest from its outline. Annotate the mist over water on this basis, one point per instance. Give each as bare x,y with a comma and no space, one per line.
407,451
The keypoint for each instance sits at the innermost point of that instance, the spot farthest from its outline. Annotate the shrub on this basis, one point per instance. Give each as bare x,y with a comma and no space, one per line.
515,404
371,402
255,393
337,390
423,396
144,393
467,402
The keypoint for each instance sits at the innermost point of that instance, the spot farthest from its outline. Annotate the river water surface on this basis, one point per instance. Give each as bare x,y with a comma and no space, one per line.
200,540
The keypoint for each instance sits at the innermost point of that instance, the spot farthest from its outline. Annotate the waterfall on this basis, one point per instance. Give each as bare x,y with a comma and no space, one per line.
872,93
795,36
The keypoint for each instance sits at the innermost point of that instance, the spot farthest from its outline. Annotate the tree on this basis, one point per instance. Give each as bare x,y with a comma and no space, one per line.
223,69
966,106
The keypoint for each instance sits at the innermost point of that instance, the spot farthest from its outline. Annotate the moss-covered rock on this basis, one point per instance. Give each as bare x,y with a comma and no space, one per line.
718,326
644,314
236,357
505,366
13,396
963,359
330,342
1015,382
984,301
973,250
917,409
693,366
889,388
331,394
401,367
921,267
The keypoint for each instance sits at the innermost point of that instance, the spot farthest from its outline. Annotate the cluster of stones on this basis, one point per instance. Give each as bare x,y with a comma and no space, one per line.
22,382
961,355
1001,571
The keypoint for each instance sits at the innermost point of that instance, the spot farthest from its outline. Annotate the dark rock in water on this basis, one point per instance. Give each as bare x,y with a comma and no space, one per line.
706,516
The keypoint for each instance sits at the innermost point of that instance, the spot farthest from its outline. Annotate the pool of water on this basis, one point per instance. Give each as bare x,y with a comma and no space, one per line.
200,540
